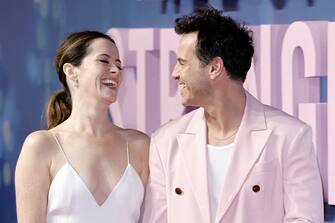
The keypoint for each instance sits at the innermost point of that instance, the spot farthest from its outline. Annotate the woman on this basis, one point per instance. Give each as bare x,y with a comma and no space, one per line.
83,168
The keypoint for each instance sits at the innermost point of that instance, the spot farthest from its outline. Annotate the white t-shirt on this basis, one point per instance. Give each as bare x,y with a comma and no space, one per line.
218,163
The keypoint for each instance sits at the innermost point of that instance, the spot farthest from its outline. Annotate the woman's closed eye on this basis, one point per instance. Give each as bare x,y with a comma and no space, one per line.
112,64
104,61
118,67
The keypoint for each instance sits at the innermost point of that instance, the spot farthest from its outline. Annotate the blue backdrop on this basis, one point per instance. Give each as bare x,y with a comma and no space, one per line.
31,30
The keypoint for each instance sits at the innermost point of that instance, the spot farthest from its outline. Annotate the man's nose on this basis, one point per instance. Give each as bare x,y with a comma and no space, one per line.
175,73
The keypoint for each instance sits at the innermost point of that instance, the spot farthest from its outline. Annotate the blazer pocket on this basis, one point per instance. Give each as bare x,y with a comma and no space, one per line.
258,186
263,167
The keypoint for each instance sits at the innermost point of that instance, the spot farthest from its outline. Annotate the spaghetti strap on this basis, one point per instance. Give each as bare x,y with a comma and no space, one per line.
59,145
128,153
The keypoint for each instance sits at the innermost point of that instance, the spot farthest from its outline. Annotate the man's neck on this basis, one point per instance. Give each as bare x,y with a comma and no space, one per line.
224,116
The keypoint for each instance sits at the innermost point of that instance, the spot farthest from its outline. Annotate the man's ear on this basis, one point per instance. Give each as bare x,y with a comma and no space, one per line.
70,71
216,67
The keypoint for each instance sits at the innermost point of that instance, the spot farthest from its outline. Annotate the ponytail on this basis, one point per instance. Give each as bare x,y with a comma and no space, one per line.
58,108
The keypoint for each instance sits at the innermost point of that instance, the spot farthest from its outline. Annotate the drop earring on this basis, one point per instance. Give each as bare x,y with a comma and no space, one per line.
76,83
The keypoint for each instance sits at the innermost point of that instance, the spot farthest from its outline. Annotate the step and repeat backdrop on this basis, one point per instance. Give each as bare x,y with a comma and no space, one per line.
293,68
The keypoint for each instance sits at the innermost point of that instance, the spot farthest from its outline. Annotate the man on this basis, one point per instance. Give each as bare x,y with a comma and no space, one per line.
233,160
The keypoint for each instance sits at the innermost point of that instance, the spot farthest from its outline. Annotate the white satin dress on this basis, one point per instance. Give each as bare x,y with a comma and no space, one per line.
70,200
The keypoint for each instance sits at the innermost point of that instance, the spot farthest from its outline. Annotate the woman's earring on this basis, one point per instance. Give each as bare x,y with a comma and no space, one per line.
76,83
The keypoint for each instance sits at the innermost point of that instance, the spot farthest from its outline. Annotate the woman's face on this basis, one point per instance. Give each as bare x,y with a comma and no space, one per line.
99,74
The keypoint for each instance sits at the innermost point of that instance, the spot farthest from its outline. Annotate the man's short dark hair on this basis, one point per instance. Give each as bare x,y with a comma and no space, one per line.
219,36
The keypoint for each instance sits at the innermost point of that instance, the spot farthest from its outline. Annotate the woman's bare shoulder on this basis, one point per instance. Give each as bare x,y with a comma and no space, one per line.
39,144
137,137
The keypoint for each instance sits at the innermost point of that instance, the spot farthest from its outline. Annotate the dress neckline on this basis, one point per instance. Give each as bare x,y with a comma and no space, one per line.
123,177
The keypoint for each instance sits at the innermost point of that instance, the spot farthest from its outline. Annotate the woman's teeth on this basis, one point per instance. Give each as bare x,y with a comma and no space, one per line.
109,83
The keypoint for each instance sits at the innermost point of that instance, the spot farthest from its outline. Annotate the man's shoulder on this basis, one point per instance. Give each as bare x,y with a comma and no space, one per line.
175,126
277,118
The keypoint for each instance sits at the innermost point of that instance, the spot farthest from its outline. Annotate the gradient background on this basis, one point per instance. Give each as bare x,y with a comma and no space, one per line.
32,29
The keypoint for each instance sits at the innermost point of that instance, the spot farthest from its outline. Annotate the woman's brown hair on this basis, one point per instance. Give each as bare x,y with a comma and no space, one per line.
71,50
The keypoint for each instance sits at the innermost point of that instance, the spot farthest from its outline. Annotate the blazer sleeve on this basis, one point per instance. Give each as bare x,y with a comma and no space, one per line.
155,206
303,198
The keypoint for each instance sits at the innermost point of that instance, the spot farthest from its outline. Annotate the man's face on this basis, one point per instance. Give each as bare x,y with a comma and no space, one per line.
191,76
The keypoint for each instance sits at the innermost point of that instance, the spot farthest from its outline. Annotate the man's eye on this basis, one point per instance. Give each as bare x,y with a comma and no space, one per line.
181,62
119,67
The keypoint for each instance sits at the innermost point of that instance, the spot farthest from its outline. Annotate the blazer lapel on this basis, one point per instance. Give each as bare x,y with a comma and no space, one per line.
193,146
249,144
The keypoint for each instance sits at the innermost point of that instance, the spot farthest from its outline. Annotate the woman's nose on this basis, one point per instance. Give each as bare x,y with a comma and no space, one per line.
114,68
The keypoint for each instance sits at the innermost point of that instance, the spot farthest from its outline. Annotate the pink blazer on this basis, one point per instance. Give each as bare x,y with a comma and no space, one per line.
273,177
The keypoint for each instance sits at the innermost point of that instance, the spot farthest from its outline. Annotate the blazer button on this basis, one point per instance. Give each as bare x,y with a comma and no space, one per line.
178,191
256,188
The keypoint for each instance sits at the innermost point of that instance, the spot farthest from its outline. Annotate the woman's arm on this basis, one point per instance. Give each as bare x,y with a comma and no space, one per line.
139,144
32,178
